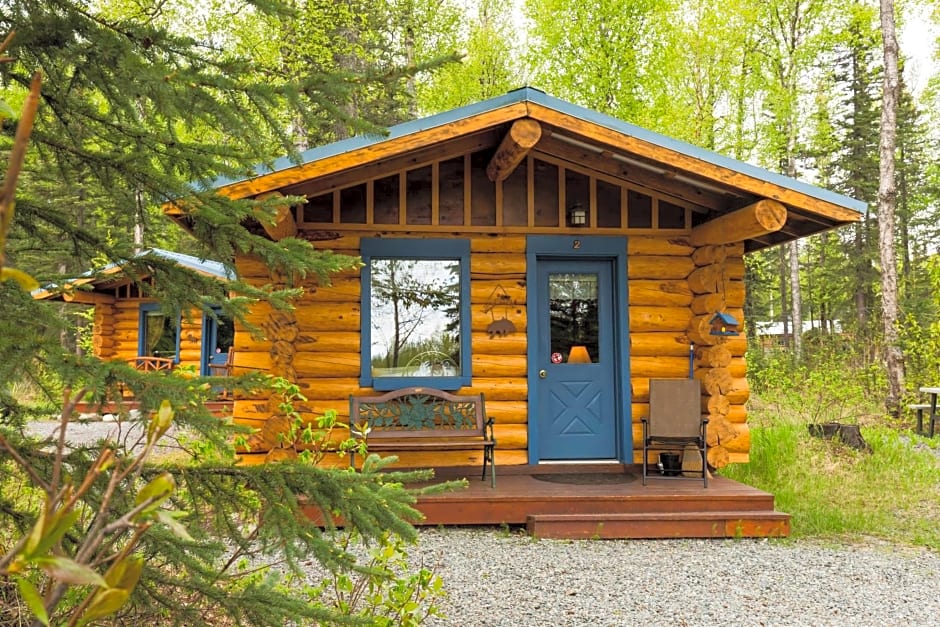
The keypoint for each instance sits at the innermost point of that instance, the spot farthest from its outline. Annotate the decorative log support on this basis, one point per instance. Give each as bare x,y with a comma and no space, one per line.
520,139
283,223
763,217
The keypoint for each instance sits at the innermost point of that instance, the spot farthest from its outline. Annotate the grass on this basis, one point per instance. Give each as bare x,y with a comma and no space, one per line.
833,491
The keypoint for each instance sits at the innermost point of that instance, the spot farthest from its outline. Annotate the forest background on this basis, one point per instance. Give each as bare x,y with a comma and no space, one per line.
147,101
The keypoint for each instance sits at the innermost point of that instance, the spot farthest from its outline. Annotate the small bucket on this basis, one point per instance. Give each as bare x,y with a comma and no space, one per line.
671,464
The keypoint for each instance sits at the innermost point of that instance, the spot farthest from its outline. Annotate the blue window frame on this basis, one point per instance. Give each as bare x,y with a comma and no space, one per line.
415,313
158,333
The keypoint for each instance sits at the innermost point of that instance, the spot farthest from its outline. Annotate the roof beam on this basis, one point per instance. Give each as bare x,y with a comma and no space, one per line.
718,174
280,222
604,161
522,136
763,217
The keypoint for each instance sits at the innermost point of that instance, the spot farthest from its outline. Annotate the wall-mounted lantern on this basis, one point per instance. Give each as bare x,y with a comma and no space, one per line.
577,216
724,324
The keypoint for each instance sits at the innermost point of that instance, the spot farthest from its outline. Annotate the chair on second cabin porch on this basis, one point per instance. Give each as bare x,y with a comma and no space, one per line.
675,427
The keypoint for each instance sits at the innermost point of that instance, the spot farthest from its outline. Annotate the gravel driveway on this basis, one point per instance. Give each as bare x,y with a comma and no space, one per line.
495,577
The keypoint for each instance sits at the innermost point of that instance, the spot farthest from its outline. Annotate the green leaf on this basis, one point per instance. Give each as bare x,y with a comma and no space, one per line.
160,422
125,573
58,525
27,282
69,571
169,519
33,599
159,489
106,602
6,111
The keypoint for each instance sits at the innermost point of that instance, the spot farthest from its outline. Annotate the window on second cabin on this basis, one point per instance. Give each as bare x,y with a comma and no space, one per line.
415,323
159,333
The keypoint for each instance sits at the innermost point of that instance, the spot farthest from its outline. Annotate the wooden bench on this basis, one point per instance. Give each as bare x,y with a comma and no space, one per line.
424,419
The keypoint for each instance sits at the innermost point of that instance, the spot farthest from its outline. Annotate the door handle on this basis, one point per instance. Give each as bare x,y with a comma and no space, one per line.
542,374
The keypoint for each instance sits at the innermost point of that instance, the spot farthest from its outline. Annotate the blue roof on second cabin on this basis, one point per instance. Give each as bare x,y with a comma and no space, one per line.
536,96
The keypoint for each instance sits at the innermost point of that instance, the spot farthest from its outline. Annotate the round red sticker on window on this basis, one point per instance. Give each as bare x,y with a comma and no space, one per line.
556,358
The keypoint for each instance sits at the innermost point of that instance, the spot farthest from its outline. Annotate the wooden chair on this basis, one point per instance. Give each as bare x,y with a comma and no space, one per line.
225,368
675,425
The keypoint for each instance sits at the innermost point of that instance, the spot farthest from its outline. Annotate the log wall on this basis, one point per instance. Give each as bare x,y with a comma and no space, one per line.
117,330
672,288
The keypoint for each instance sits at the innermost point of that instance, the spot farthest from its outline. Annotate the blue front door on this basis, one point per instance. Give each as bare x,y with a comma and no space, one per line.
575,360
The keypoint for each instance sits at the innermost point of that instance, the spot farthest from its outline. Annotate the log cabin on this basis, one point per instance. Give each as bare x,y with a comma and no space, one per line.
129,324
551,257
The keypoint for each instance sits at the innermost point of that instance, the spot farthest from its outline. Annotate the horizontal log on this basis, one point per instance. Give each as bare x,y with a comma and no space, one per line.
443,459
338,317
482,343
659,267
669,344
321,342
504,389
345,289
717,404
717,356
497,294
718,457
738,367
737,344
707,279
760,218
507,412
655,319
720,430
735,293
708,304
715,380
498,244
675,293
252,361
741,443
740,391
735,268
707,255
499,365
496,264
737,413
326,365
659,367
654,245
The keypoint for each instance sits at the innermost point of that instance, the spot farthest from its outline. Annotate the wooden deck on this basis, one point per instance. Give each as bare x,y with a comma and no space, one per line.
605,501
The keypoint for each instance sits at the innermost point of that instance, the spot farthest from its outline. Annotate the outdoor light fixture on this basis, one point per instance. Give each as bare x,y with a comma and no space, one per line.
724,324
577,216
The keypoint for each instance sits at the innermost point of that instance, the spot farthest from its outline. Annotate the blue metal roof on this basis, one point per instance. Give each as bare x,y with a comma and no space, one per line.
529,94
204,266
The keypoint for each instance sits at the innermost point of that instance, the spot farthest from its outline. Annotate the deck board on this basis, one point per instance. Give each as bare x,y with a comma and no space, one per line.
620,508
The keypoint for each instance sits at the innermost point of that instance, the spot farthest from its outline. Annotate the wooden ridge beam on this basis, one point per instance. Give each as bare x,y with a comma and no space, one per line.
763,217
522,136
283,223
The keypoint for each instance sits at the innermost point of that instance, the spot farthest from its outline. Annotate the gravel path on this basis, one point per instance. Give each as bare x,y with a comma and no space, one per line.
495,577
499,578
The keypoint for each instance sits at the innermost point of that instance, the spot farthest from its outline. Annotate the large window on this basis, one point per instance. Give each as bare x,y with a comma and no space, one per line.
159,333
416,313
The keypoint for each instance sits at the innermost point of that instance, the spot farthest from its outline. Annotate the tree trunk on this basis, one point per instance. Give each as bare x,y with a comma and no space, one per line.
887,199
796,299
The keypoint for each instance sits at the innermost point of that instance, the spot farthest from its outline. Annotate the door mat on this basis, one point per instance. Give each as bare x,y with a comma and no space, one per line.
587,478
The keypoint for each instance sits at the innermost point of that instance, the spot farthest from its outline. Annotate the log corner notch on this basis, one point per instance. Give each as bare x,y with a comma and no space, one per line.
760,218
281,222
520,139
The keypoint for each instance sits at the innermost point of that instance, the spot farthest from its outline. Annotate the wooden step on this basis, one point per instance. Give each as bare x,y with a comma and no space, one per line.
705,524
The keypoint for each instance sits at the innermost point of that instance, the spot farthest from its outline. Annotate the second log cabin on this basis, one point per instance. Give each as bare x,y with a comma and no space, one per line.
549,256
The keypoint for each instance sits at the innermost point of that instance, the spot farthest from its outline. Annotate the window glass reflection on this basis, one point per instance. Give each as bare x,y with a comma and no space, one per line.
574,318
415,317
